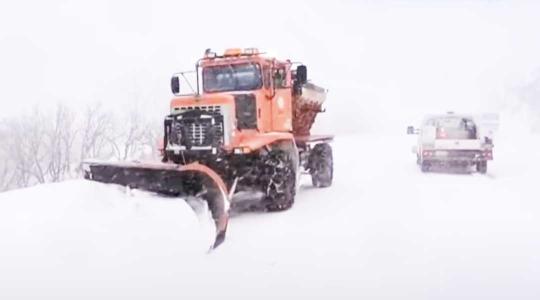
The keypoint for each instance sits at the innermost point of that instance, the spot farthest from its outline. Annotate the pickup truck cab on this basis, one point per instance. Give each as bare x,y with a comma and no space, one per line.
451,140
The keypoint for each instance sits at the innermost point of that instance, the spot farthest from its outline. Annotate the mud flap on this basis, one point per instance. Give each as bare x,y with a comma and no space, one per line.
192,180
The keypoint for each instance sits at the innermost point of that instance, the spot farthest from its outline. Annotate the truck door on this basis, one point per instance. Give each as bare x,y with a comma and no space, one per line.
281,102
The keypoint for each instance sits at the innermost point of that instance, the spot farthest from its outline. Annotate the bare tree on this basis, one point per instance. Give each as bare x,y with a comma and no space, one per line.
96,132
7,172
153,137
50,146
59,144
37,148
26,148
132,135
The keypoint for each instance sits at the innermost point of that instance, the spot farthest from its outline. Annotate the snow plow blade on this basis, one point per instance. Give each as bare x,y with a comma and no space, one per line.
192,180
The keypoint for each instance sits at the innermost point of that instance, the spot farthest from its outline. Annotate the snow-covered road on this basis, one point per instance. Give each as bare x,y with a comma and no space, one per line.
384,230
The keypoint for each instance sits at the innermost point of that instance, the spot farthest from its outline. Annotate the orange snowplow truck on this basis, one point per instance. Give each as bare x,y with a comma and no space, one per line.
246,120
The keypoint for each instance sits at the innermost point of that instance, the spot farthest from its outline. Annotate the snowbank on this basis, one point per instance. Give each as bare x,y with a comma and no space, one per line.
82,239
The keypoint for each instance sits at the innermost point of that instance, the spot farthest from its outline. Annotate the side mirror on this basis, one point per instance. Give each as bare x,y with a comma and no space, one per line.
301,74
175,84
410,130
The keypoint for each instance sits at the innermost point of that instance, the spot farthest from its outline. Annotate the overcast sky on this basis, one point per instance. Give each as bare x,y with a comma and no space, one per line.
395,59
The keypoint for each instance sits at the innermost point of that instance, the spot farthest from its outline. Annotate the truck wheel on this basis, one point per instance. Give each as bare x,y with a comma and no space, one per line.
321,165
424,166
278,178
481,167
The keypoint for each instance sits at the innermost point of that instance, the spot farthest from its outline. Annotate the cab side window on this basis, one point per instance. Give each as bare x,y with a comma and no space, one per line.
280,78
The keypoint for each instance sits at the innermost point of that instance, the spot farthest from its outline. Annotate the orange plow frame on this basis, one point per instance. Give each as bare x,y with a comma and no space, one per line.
193,179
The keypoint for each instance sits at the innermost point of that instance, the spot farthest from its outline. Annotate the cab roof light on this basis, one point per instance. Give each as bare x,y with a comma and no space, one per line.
233,52
240,51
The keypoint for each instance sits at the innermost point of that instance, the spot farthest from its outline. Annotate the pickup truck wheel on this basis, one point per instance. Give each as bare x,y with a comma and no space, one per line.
321,165
481,167
424,166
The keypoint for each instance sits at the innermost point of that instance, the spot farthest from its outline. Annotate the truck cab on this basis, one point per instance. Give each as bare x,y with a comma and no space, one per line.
241,101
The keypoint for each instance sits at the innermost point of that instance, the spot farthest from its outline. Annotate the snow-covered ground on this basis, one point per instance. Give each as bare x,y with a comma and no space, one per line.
384,230
82,239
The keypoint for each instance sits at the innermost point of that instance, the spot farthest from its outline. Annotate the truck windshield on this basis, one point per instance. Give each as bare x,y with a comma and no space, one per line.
235,77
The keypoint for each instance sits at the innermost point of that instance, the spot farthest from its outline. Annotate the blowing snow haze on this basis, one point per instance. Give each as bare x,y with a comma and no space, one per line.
367,218
383,62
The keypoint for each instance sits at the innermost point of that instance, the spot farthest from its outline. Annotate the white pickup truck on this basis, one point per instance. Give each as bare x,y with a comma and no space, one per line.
452,140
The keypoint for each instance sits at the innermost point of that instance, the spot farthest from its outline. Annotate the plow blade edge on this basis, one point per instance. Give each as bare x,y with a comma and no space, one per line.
185,181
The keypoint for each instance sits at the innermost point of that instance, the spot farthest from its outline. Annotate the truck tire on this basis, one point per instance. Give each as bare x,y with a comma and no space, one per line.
321,165
481,167
424,166
278,179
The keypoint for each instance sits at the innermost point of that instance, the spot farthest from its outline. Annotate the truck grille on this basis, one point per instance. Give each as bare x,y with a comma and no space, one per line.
200,126
198,133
